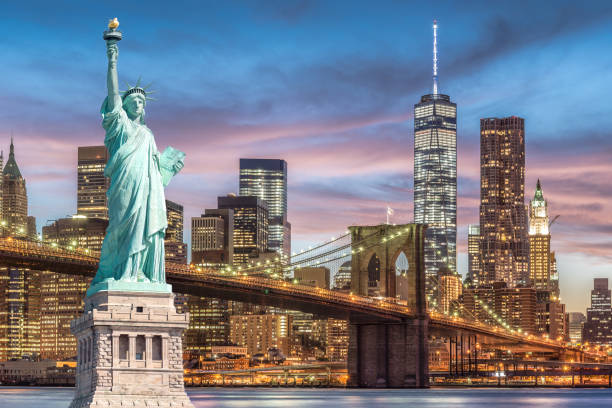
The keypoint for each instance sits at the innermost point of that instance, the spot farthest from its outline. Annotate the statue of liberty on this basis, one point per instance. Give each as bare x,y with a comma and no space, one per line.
132,256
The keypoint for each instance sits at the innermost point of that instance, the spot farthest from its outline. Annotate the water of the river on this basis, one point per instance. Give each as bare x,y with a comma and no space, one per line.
30,397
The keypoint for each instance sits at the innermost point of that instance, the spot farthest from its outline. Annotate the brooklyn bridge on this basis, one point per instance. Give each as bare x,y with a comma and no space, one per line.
388,338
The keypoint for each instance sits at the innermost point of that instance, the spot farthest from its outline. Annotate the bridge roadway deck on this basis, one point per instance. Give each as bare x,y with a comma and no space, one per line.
202,282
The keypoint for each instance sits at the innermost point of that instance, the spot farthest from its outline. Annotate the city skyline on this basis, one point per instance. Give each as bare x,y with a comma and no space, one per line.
320,134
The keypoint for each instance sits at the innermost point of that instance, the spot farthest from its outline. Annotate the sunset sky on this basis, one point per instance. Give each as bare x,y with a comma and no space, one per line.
328,86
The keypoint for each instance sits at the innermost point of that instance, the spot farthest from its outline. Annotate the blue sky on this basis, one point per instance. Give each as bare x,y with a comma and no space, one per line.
329,86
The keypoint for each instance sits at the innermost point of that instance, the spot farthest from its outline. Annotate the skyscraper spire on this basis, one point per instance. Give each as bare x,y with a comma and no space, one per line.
435,57
11,169
435,174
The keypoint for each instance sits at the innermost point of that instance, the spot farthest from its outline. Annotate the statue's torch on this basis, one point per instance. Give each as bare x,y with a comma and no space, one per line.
112,34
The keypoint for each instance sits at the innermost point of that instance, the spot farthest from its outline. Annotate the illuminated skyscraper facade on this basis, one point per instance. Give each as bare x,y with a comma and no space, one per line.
212,237
539,241
435,175
91,183
250,226
1,186
259,333
474,253
208,324
267,179
576,320
20,304
515,307
598,327
14,198
174,247
503,218
77,231
449,289
20,300
62,295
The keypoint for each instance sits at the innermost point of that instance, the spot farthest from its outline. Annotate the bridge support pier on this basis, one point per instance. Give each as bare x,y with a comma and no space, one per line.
389,355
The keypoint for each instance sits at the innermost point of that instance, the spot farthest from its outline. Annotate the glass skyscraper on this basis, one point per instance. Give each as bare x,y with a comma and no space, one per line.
435,175
267,179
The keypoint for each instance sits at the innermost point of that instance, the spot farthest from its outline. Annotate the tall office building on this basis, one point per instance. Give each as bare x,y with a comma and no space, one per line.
91,182
267,179
62,295
14,198
539,241
174,247
19,287
449,290
435,174
19,313
212,237
1,188
77,231
598,327
211,244
514,306
550,314
503,219
554,275
208,324
473,253
337,339
250,226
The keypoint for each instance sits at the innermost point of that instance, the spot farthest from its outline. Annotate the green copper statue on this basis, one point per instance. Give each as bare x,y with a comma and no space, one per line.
132,256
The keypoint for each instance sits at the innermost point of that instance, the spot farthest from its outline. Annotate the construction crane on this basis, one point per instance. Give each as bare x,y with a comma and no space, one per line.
553,220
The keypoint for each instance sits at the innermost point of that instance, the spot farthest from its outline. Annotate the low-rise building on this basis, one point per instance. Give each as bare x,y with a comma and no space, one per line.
258,333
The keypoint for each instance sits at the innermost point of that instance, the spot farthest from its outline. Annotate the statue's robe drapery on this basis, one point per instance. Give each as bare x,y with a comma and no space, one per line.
133,249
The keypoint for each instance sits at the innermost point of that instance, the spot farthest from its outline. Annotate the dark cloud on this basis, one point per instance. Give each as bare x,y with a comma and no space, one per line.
502,34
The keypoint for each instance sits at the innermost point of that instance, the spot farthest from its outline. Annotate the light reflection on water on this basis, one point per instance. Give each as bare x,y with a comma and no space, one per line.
32,397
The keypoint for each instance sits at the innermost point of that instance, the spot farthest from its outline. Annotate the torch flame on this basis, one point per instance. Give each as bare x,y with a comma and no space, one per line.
113,24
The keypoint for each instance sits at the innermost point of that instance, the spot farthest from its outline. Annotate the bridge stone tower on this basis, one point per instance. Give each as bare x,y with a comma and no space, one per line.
389,354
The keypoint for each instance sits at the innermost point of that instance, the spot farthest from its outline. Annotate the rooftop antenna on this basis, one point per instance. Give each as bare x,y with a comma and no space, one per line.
435,57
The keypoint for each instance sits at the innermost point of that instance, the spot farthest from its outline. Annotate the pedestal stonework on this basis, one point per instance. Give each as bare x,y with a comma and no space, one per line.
130,351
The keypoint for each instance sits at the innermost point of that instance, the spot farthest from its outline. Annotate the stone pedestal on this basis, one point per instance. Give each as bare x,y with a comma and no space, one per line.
130,351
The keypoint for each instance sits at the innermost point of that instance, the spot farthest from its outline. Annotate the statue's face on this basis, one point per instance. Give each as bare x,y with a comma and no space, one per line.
134,106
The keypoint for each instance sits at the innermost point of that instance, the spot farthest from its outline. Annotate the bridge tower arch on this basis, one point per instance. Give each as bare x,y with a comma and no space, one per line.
389,354
388,242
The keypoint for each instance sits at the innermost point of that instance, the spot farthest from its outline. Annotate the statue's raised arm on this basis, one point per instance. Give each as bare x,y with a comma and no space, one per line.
112,82
132,256
112,36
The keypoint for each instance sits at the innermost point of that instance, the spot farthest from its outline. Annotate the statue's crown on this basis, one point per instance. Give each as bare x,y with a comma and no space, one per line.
137,89
134,90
